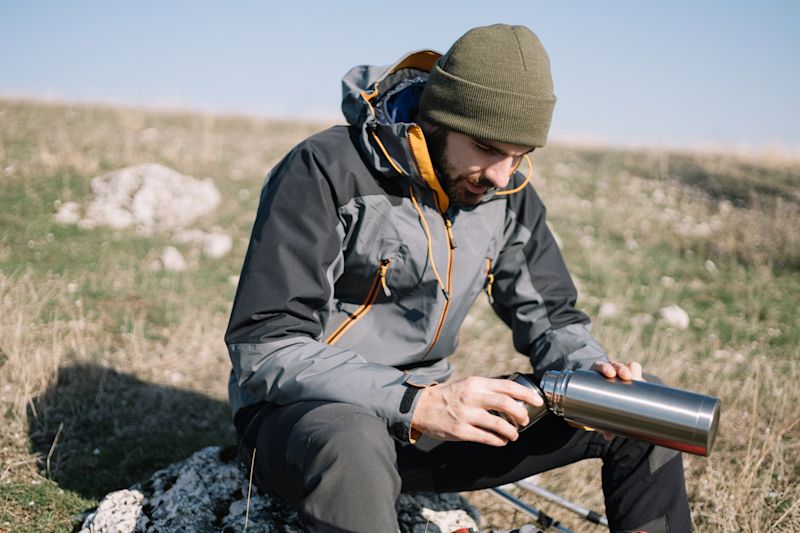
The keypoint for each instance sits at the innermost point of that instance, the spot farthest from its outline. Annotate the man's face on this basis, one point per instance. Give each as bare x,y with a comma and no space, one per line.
469,167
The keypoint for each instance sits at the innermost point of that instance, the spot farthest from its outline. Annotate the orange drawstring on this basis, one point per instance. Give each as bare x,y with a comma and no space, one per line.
385,153
524,183
430,245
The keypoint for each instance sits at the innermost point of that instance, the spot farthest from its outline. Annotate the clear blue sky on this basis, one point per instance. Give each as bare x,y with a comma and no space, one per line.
677,72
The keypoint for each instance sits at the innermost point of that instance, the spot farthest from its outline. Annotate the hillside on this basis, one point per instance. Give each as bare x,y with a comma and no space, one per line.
112,367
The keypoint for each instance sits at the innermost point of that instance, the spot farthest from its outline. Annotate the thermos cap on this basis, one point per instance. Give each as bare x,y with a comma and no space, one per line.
535,412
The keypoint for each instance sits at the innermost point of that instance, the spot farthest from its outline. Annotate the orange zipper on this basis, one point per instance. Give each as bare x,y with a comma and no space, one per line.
448,228
378,282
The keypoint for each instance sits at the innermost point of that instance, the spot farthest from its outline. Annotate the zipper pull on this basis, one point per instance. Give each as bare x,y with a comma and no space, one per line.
449,225
489,280
382,273
489,283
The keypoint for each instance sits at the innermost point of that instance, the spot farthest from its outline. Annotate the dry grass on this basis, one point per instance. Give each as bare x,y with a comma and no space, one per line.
130,363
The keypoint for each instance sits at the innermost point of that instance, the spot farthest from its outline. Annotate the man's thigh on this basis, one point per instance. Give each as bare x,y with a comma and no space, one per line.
291,442
459,466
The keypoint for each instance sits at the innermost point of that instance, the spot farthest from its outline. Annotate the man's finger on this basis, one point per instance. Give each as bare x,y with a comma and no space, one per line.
517,391
508,407
607,369
622,371
499,426
636,370
482,436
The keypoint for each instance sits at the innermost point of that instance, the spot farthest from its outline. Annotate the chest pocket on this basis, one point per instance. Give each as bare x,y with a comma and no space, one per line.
405,270
402,273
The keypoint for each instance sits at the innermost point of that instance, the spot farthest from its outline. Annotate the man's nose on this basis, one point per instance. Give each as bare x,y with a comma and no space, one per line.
499,172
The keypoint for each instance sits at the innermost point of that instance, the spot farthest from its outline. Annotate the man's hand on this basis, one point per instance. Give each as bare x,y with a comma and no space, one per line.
459,410
612,369
629,372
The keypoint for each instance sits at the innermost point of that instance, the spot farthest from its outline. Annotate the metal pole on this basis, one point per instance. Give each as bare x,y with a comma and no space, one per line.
583,512
542,519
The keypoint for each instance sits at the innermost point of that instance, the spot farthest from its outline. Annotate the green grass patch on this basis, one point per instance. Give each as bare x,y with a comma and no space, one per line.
43,506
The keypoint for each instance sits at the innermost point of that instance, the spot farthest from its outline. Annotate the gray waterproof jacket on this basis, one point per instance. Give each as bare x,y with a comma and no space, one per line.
359,272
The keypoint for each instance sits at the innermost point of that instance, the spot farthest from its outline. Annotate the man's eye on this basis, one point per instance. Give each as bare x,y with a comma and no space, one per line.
483,148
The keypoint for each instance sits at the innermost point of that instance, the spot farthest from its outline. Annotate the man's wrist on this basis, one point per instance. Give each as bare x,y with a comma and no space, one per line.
419,397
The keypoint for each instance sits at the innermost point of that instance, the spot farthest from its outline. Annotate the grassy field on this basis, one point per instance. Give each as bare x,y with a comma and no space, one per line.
110,370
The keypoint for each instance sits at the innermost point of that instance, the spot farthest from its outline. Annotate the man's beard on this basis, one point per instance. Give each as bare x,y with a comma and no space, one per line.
436,139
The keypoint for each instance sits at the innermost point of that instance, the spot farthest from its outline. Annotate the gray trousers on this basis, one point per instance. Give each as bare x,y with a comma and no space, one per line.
338,467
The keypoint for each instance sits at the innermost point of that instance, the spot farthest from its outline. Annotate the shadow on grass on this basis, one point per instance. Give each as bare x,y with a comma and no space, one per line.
117,430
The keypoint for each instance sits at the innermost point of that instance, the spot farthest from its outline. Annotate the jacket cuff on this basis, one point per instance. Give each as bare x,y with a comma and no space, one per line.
402,429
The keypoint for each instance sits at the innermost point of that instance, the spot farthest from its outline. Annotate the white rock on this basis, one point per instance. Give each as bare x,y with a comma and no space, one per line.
150,196
674,316
711,267
68,213
214,245
608,310
119,512
172,259
217,245
667,281
449,520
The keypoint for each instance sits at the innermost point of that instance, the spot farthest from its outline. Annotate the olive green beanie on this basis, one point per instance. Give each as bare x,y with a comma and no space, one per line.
493,84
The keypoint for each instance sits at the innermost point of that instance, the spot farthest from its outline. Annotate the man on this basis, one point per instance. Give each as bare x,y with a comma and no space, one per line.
371,242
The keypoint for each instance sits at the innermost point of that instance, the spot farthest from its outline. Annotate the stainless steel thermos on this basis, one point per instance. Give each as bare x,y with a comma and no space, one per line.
641,410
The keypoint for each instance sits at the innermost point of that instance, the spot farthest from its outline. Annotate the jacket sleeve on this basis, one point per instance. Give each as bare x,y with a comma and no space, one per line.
284,296
534,293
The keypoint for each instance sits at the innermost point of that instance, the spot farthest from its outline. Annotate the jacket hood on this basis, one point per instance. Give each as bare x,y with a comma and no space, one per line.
382,102
367,90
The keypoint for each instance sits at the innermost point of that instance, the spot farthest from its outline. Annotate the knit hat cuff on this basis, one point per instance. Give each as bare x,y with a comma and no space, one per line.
485,112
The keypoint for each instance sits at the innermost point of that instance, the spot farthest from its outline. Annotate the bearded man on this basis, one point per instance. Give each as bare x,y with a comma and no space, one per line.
371,242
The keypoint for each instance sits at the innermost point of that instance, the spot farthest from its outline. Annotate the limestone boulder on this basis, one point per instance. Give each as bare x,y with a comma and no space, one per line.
209,492
149,197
